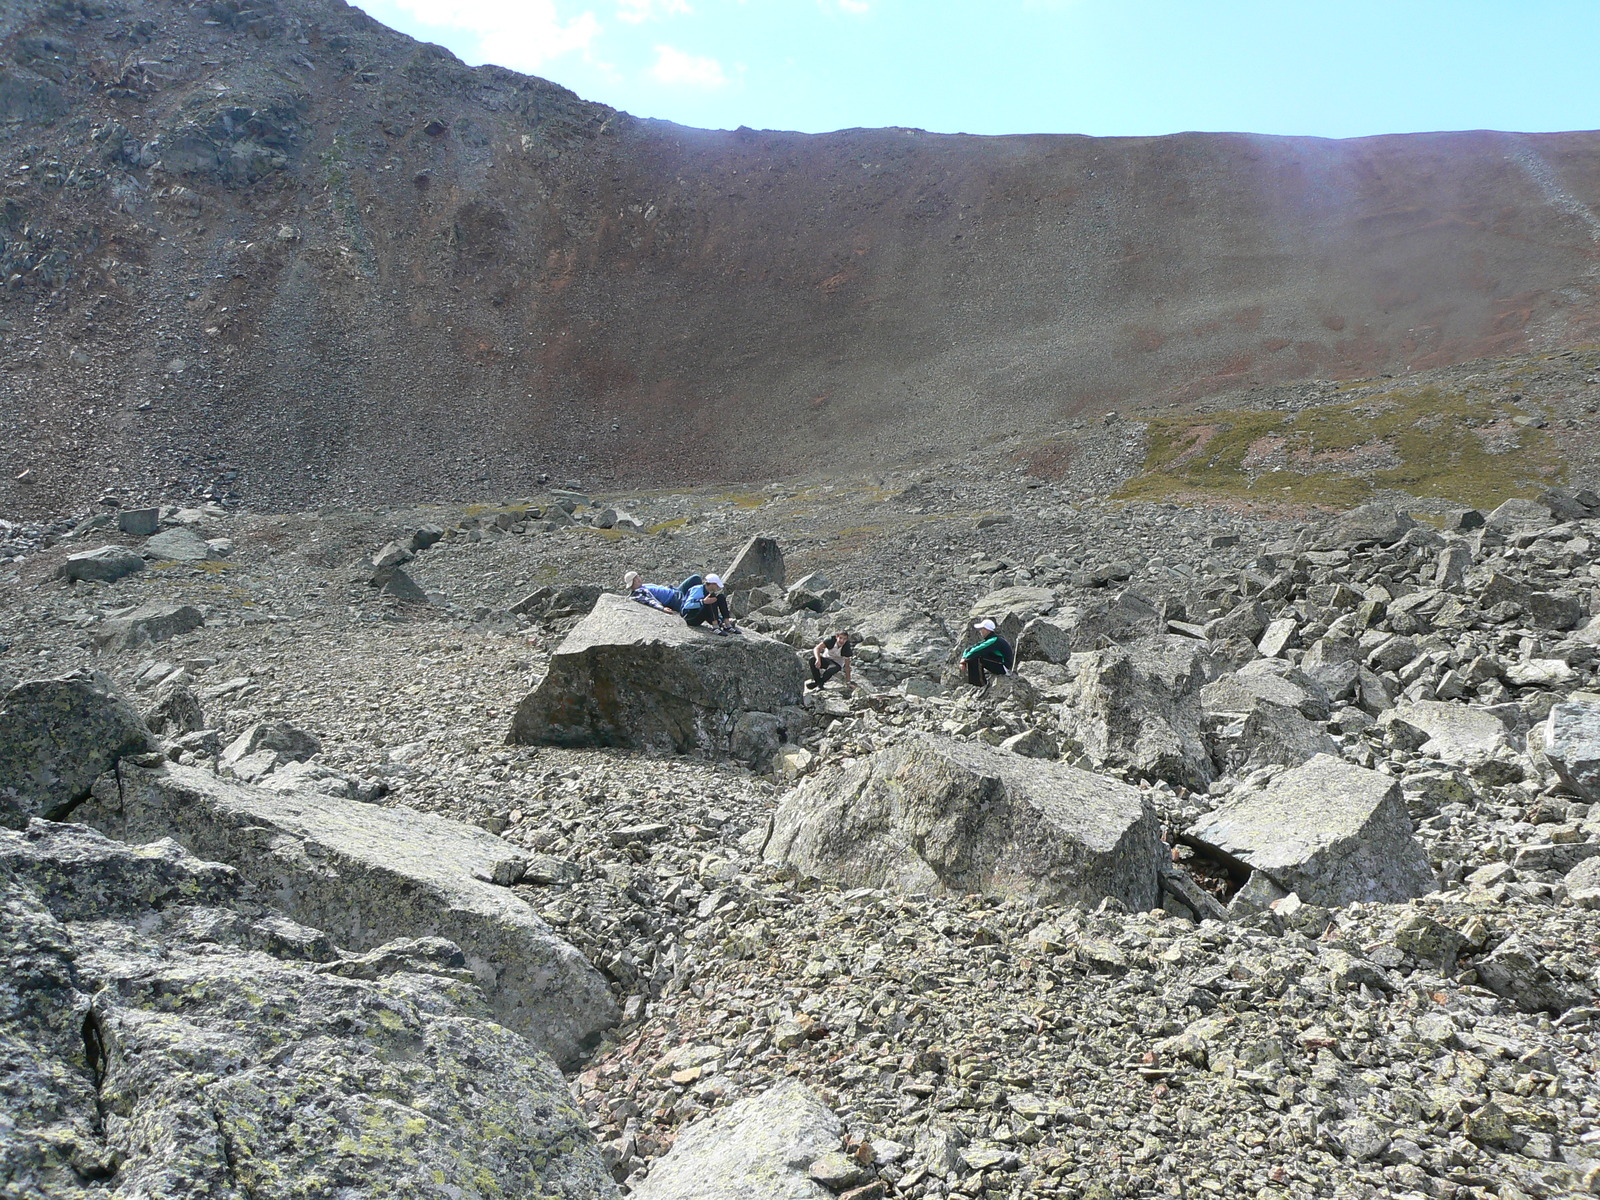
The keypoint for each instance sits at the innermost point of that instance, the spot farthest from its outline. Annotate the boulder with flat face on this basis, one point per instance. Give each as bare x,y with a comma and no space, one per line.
178,545
1332,832
931,814
235,1049
1367,525
1454,733
1572,744
761,1148
631,676
158,621
758,564
57,736
107,564
1138,707
367,874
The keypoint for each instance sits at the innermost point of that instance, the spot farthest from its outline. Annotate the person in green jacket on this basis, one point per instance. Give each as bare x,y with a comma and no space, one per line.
990,655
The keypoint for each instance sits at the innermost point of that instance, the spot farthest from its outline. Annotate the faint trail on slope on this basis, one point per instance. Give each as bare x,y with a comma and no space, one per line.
1540,171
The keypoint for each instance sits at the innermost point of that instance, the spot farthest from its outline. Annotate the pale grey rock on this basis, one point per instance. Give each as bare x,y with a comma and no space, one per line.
232,1050
368,874
1022,603
1540,673
1454,733
1138,707
148,624
760,1148
937,815
177,545
1329,831
1516,970
57,736
107,564
1275,736
1571,744
631,676
1520,516
289,743
1368,525
1583,883
758,563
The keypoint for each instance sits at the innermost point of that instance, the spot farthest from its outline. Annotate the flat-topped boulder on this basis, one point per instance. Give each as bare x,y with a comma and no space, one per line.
1331,832
632,676
1572,744
931,814
367,874
57,736
106,564
146,624
178,545
760,1148
1455,733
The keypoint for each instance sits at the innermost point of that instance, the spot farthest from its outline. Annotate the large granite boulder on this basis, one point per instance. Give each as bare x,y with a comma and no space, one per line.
164,1035
1367,525
178,545
758,564
158,621
1329,831
106,564
368,874
1572,744
1080,627
931,814
761,1148
1138,707
57,736
1454,733
1020,603
631,676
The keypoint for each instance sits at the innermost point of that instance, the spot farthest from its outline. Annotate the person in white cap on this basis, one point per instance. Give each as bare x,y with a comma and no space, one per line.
991,654
656,595
706,605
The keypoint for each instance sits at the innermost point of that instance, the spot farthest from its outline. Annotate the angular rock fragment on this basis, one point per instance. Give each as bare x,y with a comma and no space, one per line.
934,814
1138,707
1368,525
177,545
630,676
57,736
368,874
1571,743
282,738
1454,733
761,1148
1331,832
758,564
104,565
148,624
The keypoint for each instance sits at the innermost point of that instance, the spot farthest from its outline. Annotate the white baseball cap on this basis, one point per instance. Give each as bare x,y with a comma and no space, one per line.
716,579
986,625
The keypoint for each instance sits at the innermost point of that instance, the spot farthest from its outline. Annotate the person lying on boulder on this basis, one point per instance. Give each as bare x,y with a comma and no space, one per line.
991,655
656,595
831,655
706,605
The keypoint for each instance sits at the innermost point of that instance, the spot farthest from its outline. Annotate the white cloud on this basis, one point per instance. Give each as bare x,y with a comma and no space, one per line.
673,66
522,34
636,11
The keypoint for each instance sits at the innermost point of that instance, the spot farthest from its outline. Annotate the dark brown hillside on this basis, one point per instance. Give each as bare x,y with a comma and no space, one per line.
278,249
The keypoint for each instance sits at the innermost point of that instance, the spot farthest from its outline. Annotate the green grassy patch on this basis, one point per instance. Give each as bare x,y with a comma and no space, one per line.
1424,441
668,526
744,499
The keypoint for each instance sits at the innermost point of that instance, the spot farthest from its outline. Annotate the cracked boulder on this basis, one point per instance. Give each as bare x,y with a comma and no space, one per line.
931,814
57,736
1572,745
367,874
1330,832
162,1034
633,677
1137,707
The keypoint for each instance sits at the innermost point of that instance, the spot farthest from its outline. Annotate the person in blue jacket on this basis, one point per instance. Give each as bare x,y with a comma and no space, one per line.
706,605
990,655
657,595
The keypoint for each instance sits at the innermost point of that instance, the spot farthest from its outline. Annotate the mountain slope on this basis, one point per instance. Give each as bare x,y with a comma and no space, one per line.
277,249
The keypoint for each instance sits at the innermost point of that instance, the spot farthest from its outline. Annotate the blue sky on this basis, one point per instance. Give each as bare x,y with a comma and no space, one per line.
1101,67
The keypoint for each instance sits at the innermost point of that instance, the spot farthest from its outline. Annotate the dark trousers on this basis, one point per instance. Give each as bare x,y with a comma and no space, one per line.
977,666
828,671
715,608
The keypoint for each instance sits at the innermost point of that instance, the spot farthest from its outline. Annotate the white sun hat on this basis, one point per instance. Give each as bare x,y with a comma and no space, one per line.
986,625
716,579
